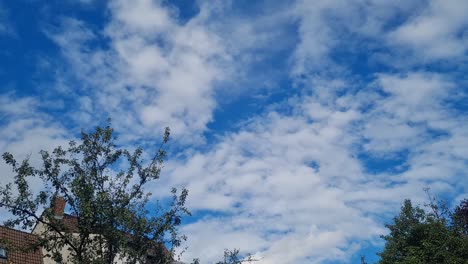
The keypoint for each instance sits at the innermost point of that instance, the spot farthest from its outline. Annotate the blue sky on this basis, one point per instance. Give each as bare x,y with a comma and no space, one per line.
298,126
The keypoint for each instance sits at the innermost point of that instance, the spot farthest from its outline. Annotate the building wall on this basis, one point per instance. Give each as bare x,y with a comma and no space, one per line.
39,229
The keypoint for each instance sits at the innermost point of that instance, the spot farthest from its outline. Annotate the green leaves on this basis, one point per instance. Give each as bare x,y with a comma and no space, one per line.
420,237
460,218
9,159
104,188
167,133
233,257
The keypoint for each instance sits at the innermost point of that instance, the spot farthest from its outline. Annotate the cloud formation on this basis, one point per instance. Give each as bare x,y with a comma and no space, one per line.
298,181
24,131
154,71
359,105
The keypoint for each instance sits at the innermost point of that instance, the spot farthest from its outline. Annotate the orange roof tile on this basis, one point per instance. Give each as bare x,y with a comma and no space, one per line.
14,240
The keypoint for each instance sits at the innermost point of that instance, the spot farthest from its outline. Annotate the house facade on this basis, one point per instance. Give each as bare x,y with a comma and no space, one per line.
10,238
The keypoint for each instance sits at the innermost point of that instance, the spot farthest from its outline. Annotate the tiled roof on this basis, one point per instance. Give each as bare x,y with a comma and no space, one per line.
18,239
71,223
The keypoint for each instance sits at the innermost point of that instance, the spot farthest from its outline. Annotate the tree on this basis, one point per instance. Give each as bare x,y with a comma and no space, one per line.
460,217
363,260
104,188
420,237
232,257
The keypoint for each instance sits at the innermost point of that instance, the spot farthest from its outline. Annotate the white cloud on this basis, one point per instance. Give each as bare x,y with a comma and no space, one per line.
263,178
156,71
24,131
143,15
435,33
397,33
400,120
288,186
24,127
295,182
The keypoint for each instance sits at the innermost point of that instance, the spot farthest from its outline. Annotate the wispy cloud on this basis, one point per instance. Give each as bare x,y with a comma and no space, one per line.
154,72
371,113
439,31
297,182
24,131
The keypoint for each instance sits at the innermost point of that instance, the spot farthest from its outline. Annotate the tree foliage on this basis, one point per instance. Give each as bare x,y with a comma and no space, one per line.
104,188
460,217
232,257
417,236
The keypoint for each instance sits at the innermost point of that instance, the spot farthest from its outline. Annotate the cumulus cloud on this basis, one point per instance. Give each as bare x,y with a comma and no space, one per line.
412,109
294,182
438,32
297,182
24,131
396,33
155,71
282,180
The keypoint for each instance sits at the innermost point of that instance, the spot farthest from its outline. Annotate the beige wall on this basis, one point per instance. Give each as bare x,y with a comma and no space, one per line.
39,229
